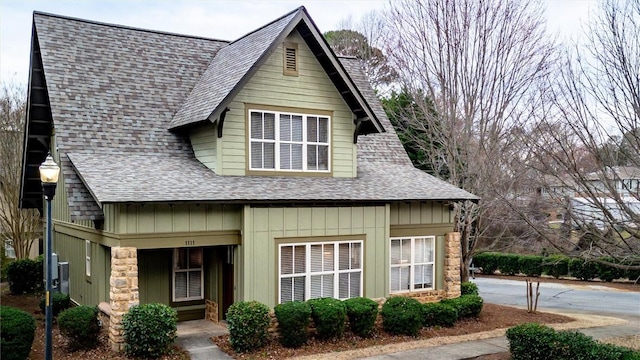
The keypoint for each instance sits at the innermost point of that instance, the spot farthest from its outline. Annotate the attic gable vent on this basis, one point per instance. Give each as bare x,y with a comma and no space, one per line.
291,59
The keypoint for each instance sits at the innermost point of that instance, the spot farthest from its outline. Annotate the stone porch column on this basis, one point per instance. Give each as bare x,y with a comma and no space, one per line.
123,291
452,259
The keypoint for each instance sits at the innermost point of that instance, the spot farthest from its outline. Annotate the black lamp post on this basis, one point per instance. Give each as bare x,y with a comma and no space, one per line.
49,172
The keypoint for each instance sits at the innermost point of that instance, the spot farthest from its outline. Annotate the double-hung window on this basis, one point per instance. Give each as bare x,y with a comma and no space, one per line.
283,141
188,280
412,263
320,269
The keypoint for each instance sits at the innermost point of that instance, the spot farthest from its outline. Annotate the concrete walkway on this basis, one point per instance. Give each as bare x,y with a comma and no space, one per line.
195,337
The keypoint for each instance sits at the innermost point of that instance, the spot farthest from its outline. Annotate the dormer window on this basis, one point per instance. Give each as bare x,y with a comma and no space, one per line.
290,59
283,141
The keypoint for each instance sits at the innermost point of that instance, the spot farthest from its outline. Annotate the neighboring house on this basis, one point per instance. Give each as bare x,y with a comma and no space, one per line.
199,171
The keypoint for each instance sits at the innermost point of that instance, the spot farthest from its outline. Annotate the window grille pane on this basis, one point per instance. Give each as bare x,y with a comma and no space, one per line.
286,289
286,260
269,156
312,128
256,155
399,278
420,249
344,257
195,288
429,250
312,157
300,260
256,125
195,258
328,257
321,286
405,257
395,251
316,259
285,127
270,126
323,157
181,259
356,254
354,284
296,156
296,127
423,276
285,156
323,131
343,286
181,285
298,289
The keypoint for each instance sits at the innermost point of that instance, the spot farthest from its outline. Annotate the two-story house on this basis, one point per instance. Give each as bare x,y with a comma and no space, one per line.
200,171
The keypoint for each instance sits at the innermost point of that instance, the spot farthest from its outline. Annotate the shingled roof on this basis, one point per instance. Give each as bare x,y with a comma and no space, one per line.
115,92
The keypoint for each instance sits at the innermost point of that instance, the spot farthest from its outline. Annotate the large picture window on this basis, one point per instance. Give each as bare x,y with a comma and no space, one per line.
412,263
188,280
288,142
315,270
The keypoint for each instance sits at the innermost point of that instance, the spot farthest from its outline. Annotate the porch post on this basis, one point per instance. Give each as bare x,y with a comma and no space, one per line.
452,259
123,291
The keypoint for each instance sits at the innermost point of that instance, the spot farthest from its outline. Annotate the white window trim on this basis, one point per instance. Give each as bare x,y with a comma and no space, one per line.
277,141
173,277
411,265
336,268
87,255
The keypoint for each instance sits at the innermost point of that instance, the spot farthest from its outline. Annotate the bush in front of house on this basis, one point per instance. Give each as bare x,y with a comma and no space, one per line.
540,342
608,273
329,316
439,314
468,306
25,276
149,330
508,264
293,323
59,302
530,265
402,316
468,288
80,325
556,266
248,324
487,261
362,313
583,270
17,330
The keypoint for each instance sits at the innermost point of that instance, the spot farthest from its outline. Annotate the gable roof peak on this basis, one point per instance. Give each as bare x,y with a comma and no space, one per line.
293,12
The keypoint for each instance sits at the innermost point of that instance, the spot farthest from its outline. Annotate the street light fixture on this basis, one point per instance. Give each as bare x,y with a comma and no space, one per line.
49,172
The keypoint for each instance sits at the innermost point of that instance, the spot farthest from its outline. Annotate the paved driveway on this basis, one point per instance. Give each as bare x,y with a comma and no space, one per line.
582,297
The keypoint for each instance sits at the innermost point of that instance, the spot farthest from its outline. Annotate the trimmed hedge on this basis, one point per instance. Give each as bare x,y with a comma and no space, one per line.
468,306
582,270
362,313
59,302
26,276
329,316
17,330
508,264
530,265
248,324
539,342
468,288
439,314
402,316
556,266
293,323
149,330
80,325
487,261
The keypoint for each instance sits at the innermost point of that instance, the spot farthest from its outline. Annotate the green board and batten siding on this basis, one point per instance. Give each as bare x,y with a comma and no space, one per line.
312,90
265,228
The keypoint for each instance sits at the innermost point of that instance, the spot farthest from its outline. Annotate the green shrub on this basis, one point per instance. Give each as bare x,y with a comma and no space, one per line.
468,288
540,342
149,330
508,264
487,261
328,315
632,275
582,270
26,276
608,273
80,325
556,266
468,306
17,330
5,261
293,323
362,313
59,302
439,314
248,323
402,316
530,265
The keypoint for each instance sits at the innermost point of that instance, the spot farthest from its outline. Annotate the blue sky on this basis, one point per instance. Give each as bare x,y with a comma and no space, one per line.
219,19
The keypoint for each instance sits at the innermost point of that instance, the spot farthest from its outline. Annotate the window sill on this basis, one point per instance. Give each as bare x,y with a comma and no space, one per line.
289,173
